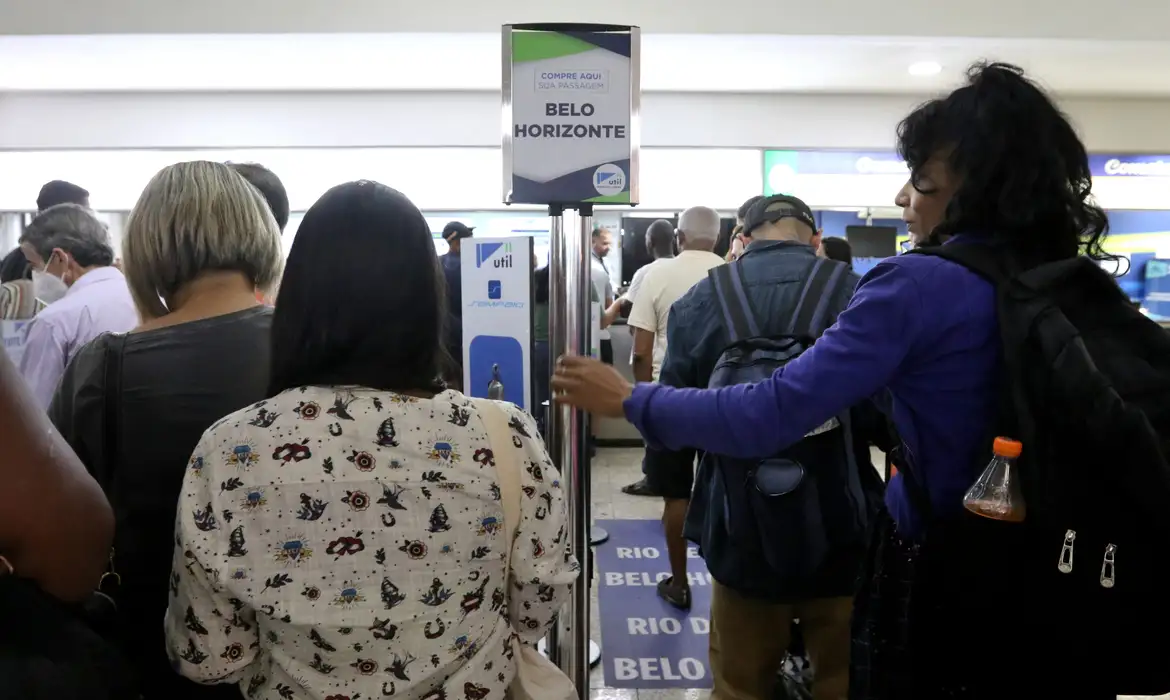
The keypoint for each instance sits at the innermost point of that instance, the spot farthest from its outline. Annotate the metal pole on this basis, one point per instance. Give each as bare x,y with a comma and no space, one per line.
557,427
569,325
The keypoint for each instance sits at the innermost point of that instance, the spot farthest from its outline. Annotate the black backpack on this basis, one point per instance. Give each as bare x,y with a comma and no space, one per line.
792,525
1086,389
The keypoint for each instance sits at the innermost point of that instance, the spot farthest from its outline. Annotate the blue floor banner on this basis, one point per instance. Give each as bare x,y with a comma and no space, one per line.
645,642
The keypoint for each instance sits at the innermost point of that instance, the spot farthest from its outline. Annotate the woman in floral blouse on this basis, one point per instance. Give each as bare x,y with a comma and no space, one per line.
344,538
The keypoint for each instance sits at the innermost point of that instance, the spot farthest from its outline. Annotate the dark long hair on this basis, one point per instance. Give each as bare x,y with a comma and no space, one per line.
1024,173
362,298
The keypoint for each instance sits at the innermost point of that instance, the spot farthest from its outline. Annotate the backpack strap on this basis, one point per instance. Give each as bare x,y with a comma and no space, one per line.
984,259
739,316
813,308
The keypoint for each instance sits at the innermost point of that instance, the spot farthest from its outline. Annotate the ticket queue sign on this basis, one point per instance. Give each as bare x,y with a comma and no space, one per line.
571,102
571,99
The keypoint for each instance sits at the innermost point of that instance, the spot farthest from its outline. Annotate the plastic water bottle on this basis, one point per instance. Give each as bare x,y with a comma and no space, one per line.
996,494
495,386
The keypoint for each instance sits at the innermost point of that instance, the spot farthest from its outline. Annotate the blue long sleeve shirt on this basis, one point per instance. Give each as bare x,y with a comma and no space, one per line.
921,327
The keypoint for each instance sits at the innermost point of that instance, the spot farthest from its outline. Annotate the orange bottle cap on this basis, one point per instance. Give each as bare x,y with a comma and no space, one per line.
1006,447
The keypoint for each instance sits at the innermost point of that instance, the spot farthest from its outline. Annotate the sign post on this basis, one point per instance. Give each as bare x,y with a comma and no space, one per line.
571,102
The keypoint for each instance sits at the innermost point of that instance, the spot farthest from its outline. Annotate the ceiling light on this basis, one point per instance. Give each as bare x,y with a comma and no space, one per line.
925,68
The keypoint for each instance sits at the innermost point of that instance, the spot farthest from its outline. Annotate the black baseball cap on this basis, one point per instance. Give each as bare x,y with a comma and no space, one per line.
455,230
775,208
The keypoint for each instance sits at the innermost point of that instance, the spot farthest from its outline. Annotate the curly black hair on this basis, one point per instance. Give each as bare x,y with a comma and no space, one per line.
1023,171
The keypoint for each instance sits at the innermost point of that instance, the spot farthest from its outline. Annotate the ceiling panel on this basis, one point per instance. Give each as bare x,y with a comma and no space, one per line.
671,63
1078,19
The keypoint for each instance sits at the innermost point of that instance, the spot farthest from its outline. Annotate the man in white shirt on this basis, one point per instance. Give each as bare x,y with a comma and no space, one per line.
660,244
73,274
671,474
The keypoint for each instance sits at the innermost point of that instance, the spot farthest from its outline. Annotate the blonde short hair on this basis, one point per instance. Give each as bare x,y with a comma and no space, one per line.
193,218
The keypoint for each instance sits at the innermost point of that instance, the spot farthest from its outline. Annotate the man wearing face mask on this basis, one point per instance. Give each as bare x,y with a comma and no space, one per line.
85,295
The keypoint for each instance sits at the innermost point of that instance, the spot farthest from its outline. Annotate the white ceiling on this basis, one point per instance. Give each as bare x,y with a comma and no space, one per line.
1032,19
671,62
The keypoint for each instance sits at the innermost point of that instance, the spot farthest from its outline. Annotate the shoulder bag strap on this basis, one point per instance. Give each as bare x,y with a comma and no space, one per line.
820,288
111,438
112,408
739,316
507,459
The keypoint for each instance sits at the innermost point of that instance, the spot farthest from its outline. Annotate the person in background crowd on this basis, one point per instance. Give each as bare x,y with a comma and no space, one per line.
993,163
837,249
15,266
274,193
751,618
660,242
369,552
601,243
17,300
671,474
736,244
454,233
61,192
85,296
198,243
270,187
542,360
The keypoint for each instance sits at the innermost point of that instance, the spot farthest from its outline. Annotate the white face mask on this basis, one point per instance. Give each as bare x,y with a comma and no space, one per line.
48,288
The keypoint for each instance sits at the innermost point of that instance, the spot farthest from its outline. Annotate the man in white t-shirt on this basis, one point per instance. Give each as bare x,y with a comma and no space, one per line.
670,474
660,245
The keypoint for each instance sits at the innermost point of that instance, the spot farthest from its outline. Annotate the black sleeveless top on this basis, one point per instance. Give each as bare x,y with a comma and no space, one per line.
173,384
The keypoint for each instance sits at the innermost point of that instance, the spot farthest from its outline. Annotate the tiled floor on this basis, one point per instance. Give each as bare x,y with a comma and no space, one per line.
612,469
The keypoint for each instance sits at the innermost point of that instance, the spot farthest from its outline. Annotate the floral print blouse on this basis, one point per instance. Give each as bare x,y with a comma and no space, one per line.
339,543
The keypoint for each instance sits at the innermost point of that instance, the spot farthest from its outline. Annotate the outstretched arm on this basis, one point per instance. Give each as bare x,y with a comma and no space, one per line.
850,362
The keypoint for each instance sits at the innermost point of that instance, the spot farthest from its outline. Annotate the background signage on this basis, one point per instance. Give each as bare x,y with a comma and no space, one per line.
781,167
14,333
645,642
496,274
1129,166
568,101
1157,288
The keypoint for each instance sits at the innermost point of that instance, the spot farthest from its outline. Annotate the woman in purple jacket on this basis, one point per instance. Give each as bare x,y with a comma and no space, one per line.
997,161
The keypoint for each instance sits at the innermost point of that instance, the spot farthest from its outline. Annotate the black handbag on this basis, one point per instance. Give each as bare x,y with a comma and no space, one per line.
49,652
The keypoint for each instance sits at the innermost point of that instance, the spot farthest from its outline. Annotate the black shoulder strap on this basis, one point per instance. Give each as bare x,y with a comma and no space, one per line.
813,308
739,316
985,260
111,414
111,439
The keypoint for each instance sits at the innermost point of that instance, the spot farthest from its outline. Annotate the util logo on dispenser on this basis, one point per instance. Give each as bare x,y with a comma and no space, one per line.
487,251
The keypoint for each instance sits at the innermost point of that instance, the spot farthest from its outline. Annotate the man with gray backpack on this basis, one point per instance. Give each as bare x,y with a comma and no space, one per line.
783,537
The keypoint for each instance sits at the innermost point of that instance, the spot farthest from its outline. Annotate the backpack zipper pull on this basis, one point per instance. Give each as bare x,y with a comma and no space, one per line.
1108,565
1065,564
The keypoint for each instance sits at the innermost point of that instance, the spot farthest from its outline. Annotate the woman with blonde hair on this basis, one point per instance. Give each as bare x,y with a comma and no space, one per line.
197,246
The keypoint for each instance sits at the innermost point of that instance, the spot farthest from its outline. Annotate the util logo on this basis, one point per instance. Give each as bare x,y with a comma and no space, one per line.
487,251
